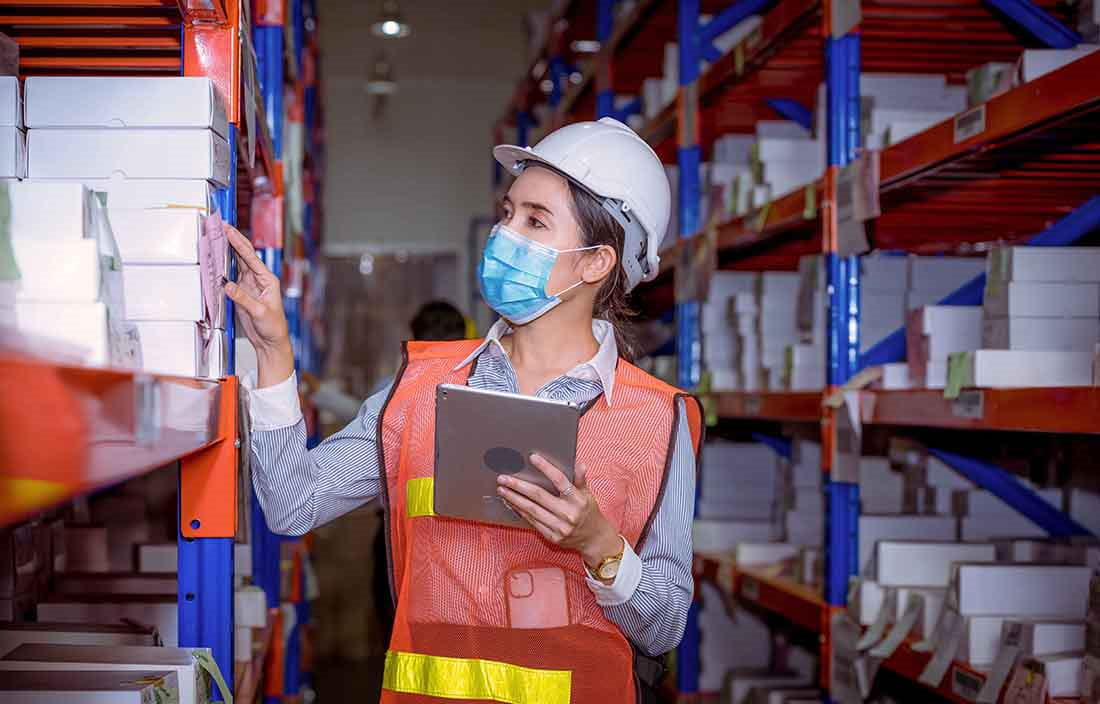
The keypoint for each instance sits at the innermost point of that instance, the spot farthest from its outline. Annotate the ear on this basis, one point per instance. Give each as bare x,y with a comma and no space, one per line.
599,264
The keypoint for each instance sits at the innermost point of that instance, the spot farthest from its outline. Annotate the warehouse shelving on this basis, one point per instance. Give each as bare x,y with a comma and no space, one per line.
107,426
1030,162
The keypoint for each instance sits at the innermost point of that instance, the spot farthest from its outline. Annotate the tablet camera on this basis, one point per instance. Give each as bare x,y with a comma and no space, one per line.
504,460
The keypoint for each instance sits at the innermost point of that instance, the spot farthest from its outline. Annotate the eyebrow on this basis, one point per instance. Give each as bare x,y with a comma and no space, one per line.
507,200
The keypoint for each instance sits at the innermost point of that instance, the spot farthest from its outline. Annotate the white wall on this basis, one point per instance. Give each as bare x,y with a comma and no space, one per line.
418,173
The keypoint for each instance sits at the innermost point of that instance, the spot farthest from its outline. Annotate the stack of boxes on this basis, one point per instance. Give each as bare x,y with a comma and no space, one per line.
721,344
773,312
739,492
933,334
13,145
804,520
786,157
154,147
897,106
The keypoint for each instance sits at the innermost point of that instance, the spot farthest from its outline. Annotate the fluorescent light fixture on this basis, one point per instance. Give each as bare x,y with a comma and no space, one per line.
390,24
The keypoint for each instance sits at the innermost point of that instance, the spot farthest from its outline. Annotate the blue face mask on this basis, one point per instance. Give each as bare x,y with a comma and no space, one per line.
514,272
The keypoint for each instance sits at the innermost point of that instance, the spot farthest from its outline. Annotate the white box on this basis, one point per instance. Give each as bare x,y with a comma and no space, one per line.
884,273
13,153
166,236
250,607
778,288
875,528
12,635
143,194
1034,63
998,526
1054,591
809,500
121,583
57,271
767,695
869,599
172,347
103,687
163,558
981,504
148,153
804,529
723,536
192,679
743,681
925,564
806,379
1039,638
157,611
935,375
163,292
1084,507
1025,368
121,102
49,211
756,554
1038,299
242,644
1040,333
79,326
981,639
1063,673
1055,264
782,129
895,376
950,329
11,105
943,273
937,473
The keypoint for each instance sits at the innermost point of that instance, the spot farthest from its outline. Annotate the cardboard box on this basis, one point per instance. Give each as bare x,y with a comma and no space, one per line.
75,583
156,611
13,153
11,103
873,528
192,680
165,236
165,292
81,328
57,271
12,635
131,153
1023,368
723,536
172,347
1052,591
1040,333
92,687
1051,264
1038,299
925,564
124,102
50,211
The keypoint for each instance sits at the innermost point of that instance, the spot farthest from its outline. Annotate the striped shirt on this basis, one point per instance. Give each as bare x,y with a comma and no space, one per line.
301,489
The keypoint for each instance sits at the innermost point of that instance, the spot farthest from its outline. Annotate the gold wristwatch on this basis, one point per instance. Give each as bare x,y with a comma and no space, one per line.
608,569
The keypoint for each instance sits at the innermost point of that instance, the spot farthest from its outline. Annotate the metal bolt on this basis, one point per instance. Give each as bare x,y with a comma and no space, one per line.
237,443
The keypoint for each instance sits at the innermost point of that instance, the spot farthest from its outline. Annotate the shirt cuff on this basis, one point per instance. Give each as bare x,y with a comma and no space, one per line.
626,581
274,407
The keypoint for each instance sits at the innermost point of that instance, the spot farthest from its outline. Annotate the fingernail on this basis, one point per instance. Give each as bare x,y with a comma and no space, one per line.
500,490
224,280
501,479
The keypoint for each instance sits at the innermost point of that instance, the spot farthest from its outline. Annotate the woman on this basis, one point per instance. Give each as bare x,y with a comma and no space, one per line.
612,550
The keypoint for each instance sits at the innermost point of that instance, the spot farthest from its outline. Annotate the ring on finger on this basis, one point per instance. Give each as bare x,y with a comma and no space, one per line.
567,491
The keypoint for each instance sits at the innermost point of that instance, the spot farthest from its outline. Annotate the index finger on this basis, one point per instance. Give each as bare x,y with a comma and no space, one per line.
246,253
555,475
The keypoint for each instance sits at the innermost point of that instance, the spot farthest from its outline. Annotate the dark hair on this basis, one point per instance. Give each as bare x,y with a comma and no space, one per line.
438,320
599,228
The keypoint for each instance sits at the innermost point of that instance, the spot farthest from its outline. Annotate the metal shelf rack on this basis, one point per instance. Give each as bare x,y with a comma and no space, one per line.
106,425
1034,161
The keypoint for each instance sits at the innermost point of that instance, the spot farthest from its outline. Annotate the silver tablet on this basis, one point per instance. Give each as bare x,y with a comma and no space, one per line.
481,434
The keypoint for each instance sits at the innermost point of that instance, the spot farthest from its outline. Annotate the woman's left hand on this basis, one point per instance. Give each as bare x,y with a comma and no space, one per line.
572,520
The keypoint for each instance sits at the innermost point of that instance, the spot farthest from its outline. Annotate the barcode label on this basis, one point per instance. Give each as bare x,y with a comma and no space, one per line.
970,123
966,685
750,589
969,404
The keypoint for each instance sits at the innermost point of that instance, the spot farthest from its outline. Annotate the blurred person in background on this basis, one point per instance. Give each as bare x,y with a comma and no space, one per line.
582,224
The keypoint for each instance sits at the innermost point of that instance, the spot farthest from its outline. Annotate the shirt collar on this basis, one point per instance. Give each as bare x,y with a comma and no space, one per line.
600,368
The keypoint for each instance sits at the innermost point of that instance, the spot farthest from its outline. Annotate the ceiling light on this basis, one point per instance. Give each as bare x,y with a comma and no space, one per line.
380,80
390,23
585,46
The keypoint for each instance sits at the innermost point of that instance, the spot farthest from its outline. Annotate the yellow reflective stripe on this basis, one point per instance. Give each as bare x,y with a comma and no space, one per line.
418,497
470,678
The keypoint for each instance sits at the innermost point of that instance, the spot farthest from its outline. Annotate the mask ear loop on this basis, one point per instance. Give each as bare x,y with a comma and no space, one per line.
566,251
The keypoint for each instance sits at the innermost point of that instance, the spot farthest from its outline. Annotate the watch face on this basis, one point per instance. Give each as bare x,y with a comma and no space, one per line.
609,570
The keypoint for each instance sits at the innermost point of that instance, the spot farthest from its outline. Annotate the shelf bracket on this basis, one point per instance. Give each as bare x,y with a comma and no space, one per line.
731,17
1039,25
781,446
1010,490
793,110
208,478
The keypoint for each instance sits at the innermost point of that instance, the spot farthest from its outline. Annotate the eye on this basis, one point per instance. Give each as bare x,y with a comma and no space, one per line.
534,222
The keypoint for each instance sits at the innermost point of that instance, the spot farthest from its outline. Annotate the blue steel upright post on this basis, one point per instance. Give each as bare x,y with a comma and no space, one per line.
688,346
842,68
205,565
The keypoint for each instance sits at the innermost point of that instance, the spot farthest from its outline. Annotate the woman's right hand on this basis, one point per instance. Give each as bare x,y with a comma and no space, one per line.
259,300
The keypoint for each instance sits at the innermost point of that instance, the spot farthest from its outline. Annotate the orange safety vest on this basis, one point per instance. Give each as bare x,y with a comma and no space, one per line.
457,583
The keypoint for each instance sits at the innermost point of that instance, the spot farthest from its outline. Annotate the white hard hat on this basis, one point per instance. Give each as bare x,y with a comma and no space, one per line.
611,162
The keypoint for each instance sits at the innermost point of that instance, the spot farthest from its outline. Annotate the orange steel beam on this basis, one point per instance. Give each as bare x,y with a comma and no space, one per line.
89,21
208,478
110,43
148,63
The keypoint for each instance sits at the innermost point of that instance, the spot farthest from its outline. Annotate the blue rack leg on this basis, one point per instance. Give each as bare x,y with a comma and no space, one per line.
206,599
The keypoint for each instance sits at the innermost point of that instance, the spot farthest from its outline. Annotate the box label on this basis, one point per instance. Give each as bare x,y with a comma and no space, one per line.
970,123
965,684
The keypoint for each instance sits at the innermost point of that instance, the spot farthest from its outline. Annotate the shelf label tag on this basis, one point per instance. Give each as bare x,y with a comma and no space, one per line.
965,685
948,646
750,588
970,123
844,676
969,404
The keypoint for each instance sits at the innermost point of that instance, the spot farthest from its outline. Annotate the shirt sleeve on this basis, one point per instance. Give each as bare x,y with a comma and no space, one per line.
651,595
301,489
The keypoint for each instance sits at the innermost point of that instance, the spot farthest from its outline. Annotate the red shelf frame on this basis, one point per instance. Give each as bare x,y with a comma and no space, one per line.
799,406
